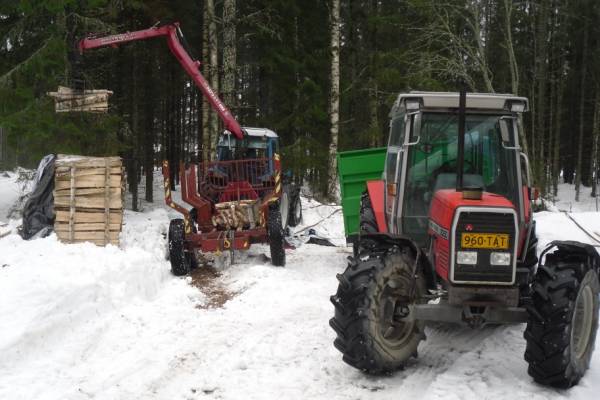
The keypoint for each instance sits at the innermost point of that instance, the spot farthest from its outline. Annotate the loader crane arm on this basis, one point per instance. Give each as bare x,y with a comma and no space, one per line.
191,66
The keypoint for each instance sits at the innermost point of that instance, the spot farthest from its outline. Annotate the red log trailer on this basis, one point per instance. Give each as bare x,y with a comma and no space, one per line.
240,198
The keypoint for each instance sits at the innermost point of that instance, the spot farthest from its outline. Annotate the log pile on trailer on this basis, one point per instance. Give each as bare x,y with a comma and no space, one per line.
88,199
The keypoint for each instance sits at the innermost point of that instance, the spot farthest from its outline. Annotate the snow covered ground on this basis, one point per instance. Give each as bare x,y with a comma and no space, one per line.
80,322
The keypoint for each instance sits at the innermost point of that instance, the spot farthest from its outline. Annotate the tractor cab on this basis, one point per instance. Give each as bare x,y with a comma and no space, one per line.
424,157
257,149
257,143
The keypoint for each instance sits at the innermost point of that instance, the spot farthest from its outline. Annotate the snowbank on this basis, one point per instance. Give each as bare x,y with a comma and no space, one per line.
9,193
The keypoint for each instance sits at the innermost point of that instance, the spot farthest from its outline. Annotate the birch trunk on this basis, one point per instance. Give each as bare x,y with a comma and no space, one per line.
513,66
334,98
512,59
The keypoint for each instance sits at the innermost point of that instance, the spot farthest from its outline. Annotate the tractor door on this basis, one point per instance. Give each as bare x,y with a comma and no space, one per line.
393,170
526,190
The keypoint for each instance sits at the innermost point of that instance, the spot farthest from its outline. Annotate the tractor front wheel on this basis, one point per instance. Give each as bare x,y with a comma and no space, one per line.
275,231
376,331
563,320
181,260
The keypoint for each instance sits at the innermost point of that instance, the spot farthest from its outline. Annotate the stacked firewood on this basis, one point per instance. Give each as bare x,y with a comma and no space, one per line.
88,199
69,100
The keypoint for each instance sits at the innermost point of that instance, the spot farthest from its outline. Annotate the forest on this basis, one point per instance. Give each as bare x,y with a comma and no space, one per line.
323,74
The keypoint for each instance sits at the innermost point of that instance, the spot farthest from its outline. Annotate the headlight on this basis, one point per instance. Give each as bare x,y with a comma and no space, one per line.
466,257
500,258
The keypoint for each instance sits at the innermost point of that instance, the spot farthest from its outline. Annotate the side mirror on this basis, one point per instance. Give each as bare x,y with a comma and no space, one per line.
534,193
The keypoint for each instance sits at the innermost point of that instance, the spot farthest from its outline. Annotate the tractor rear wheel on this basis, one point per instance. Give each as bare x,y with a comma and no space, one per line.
375,330
181,260
563,319
275,232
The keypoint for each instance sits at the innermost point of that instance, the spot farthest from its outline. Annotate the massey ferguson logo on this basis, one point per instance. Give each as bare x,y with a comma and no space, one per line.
438,229
469,228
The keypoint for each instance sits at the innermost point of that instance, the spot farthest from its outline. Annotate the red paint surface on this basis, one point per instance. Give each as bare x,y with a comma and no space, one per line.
376,193
443,206
446,201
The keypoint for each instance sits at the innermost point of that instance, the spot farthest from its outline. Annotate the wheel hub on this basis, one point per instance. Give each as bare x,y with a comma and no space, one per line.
396,323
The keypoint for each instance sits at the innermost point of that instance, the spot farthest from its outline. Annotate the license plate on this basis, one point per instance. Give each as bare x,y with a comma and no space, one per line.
484,241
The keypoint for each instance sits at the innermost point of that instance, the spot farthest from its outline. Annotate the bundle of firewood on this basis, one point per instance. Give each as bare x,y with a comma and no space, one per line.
69,100
88,199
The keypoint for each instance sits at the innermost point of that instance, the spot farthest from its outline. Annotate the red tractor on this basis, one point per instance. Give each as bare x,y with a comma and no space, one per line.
240,198
447,235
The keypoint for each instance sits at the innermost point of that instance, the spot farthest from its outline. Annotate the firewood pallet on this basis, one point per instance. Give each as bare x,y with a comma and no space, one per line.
88,199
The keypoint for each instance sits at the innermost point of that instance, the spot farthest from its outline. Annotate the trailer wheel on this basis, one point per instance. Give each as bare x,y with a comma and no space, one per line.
181,260
375,330
275,231
563,320
295,210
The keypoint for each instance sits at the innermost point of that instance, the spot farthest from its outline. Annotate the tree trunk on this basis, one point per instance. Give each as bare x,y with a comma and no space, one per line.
132,173
204,102
596,136
229,54
557,129
581,110
334,113
541,77
149,132
213,45
512,59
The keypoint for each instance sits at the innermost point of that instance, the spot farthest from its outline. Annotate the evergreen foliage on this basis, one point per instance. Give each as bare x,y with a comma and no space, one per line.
283,65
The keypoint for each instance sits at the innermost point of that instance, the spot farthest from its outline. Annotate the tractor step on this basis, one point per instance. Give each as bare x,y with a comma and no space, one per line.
474,316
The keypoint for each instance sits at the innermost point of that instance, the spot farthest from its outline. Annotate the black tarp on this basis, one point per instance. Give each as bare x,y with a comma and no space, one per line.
38,213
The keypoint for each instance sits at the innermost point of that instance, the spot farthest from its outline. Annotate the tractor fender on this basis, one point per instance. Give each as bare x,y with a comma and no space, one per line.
376,242
570,246
376,190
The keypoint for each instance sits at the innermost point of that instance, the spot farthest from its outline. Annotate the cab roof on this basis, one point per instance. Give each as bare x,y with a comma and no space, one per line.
480,101
259,132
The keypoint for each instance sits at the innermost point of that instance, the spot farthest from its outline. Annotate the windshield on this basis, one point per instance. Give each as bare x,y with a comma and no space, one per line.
432,164
230,148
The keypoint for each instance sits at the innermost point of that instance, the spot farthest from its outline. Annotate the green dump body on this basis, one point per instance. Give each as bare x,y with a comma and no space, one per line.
355,168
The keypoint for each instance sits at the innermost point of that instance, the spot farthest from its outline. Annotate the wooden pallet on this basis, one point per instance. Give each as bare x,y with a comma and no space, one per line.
88,199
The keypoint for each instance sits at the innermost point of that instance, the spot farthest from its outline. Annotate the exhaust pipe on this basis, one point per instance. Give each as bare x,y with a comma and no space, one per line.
460,159
470,192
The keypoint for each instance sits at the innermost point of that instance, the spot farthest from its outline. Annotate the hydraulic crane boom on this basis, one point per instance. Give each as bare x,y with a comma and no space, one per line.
189,65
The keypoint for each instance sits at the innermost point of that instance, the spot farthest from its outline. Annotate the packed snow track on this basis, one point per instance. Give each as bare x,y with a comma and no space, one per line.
83,322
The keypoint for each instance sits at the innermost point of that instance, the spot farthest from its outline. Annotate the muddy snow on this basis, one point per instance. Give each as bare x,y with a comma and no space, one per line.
80,321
